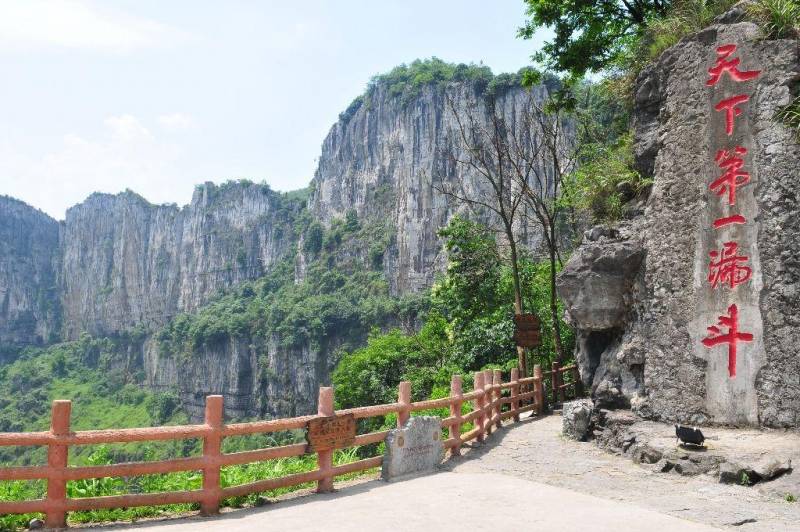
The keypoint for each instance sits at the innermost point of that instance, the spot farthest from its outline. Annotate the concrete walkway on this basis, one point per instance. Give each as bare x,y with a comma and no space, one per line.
443,502
525,477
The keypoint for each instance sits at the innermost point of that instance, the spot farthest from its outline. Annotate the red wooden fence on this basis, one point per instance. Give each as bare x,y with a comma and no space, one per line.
488,400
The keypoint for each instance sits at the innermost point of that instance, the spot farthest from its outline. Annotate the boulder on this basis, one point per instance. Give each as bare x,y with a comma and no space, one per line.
597,279
576,419
770,468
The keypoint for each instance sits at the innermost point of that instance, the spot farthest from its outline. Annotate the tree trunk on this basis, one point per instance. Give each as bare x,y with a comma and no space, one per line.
554,298
518,309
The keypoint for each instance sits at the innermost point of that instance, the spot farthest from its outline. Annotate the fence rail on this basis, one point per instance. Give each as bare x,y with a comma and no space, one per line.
487,400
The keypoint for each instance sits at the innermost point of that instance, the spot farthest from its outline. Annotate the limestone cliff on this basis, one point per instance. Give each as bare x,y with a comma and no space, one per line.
29,299
118,264
653,349
127,263
388,159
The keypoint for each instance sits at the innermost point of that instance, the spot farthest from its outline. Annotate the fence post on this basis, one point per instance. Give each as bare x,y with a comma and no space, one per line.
515,392
576,378
538,389
57,455
554,381
212,450
498,396
455,411
561,390
325,458
488,401
404,398
478,404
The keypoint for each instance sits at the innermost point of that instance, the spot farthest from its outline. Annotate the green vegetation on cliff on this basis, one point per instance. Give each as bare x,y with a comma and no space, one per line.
337,296
406,81
468,327
96,378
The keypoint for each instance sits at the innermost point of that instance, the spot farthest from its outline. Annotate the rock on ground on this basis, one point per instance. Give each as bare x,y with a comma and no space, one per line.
576,419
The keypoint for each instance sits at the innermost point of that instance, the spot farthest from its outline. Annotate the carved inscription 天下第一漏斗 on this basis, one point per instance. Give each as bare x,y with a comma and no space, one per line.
728,267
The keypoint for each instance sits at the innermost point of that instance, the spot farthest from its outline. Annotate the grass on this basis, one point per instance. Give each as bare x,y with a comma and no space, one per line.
778,19
181,481
789,116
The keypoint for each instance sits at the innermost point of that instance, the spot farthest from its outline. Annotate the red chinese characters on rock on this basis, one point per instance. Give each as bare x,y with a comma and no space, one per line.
732,337
733,176
731,66
726,267
732,110
735,219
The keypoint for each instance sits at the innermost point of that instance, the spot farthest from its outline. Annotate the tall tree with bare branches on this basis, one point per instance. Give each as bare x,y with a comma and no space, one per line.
519,168
491,188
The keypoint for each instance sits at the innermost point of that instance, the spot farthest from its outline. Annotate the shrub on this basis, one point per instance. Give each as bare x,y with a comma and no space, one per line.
606,180
790,116
779,19
161,406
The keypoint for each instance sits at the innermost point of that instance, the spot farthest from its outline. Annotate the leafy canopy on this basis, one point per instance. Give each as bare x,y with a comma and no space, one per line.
590,35
469,326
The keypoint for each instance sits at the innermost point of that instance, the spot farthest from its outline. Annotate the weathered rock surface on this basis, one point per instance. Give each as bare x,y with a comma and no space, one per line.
29,302
599,285
733,456
388,160
576,419
126,262
643,347
596,284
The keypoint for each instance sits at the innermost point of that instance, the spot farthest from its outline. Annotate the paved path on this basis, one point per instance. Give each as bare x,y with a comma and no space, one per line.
442,502
535,450
526,477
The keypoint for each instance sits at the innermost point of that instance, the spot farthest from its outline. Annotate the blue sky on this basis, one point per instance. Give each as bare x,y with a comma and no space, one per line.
158,95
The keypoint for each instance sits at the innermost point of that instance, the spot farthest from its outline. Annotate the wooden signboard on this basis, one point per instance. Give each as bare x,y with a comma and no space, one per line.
526,330
334,432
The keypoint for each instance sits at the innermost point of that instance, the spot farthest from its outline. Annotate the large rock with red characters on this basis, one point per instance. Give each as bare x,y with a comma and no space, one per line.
712,315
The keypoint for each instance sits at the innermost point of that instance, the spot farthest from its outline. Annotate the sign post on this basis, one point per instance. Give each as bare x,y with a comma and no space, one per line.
332,432
527,330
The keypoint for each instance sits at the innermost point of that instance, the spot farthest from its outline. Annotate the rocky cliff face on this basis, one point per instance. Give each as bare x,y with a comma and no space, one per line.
648,340
29,299
389,159
119,263
127,263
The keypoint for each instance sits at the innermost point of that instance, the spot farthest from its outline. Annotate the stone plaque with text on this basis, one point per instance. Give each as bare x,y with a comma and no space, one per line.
415,448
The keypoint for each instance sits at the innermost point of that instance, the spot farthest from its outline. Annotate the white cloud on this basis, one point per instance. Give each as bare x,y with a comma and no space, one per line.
175,121
127,128
26,24
125,155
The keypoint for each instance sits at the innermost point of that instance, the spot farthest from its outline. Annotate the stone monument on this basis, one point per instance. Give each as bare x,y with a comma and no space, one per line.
415,448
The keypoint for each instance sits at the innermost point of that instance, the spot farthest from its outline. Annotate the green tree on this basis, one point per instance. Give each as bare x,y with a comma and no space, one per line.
473,270
590,35
312,241
484,137
351,221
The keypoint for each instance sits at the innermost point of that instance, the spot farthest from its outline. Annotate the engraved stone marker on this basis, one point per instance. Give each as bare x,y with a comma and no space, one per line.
415,448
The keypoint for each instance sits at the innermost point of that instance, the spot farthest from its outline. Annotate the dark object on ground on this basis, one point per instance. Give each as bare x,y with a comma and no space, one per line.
689,435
